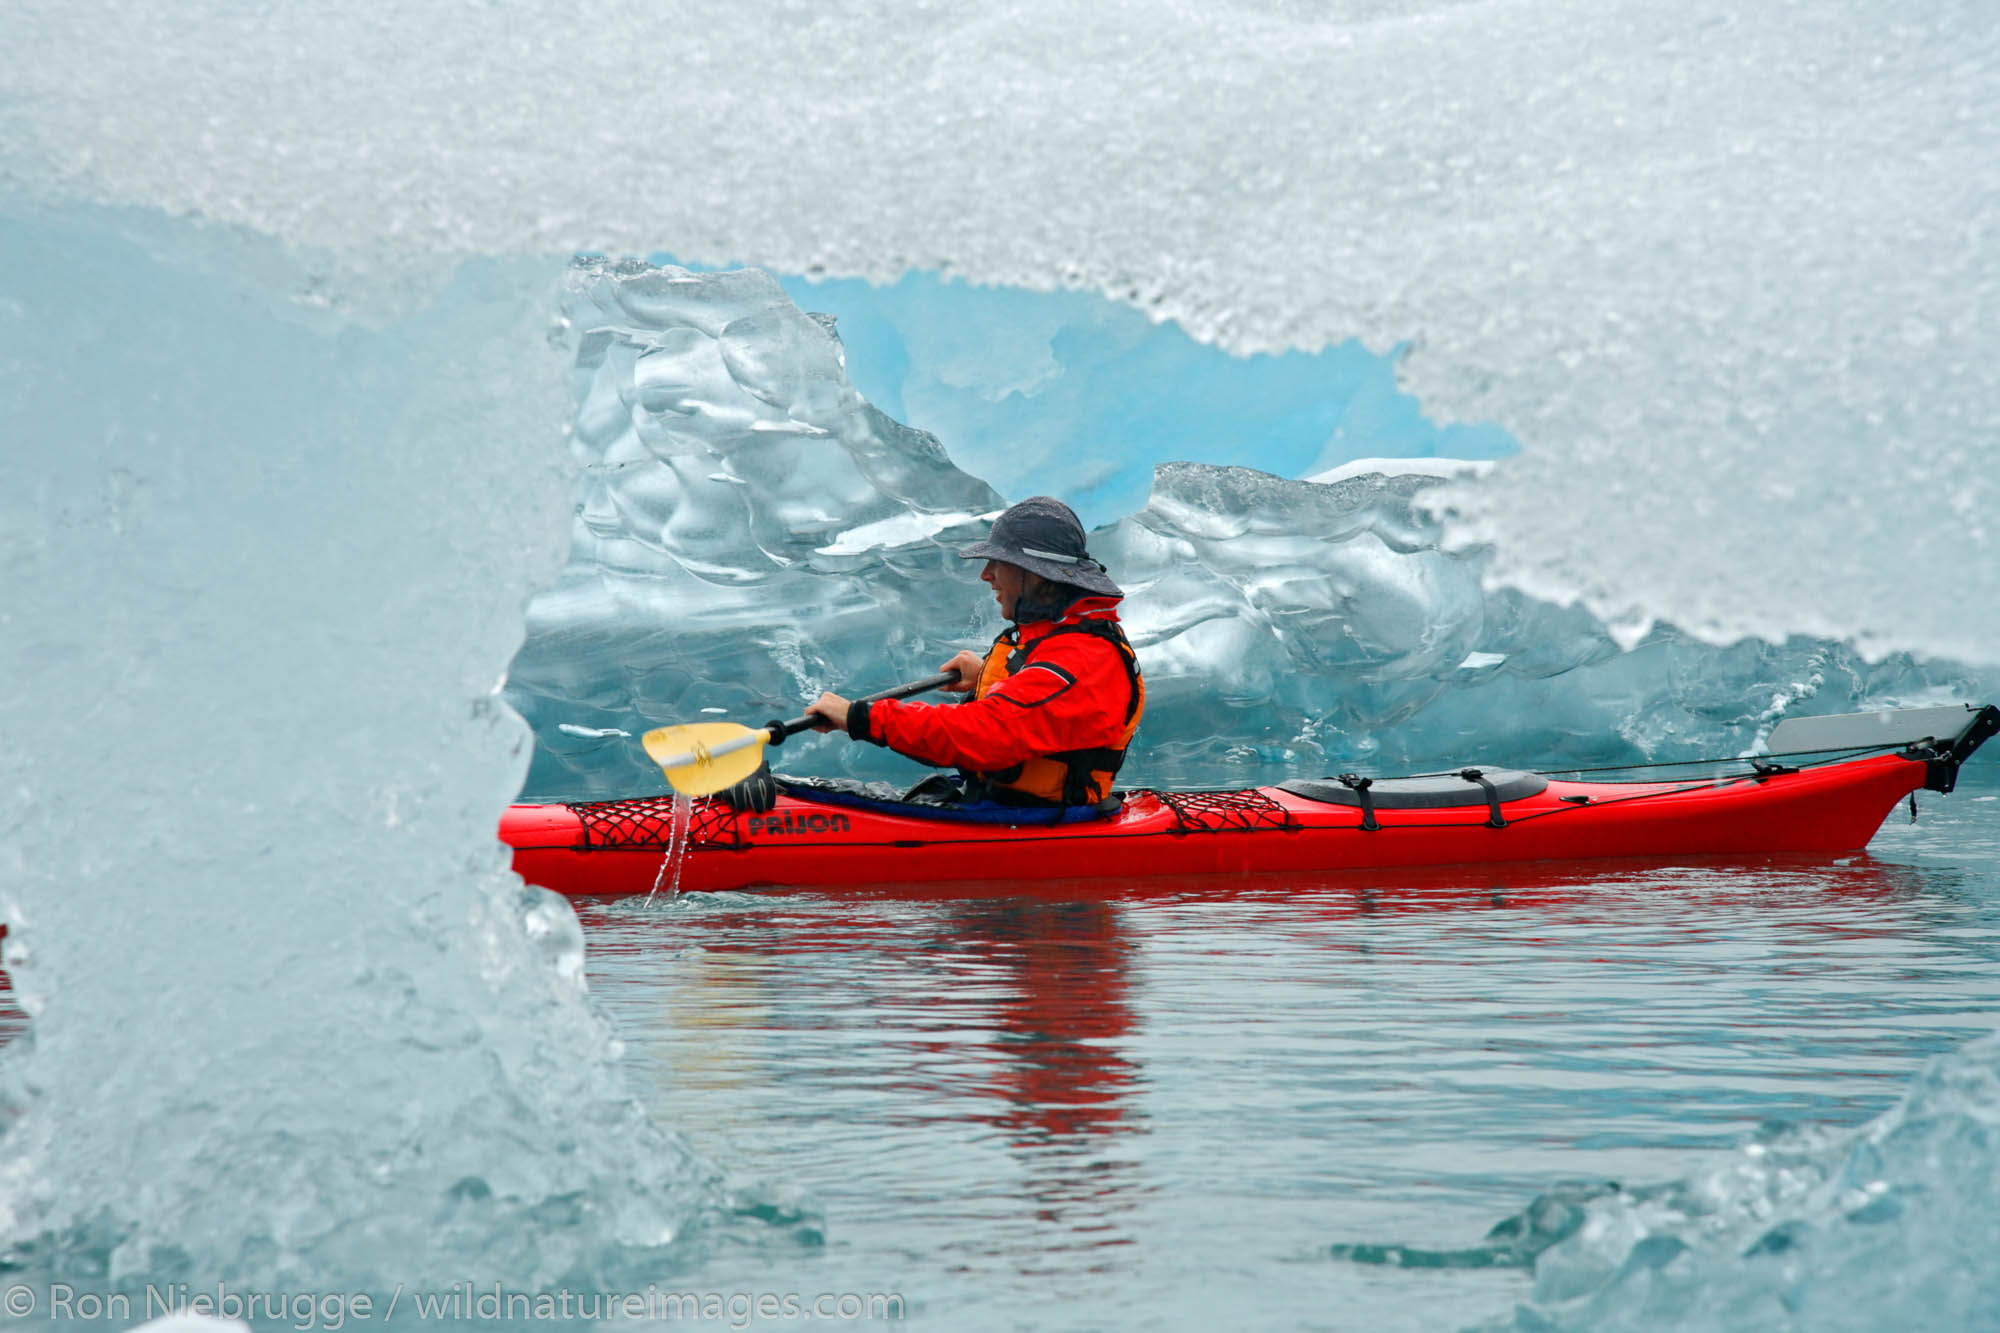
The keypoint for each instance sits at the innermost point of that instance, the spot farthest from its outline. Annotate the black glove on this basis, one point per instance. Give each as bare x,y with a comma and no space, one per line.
756,793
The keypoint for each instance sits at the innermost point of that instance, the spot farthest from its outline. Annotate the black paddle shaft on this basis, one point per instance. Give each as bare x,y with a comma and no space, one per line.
779,730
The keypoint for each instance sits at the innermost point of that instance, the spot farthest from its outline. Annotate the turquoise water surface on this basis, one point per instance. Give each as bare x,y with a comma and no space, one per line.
1147,1111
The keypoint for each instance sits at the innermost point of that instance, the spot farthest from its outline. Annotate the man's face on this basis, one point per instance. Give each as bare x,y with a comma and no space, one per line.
1009,582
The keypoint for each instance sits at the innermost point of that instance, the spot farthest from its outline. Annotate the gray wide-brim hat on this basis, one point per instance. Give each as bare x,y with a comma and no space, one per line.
1043,536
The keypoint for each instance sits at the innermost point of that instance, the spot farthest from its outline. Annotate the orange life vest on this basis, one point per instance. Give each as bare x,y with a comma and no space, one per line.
1068,777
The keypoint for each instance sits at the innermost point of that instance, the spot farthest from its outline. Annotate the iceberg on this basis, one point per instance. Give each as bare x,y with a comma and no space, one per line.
285,407
1067,393
1718,267
287,1000
751,531
1801,1228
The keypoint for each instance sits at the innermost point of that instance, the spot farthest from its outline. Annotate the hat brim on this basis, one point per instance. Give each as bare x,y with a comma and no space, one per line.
1087,577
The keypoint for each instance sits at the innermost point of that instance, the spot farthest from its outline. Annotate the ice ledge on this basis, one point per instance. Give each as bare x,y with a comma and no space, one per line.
1443,468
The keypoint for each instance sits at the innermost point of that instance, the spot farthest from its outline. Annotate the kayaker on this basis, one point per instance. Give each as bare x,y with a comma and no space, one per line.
1053,703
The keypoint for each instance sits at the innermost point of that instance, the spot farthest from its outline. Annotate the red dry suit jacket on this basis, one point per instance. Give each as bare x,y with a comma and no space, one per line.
1076,694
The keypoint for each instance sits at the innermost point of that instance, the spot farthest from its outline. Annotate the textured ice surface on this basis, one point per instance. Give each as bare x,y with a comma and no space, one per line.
750,532
294,1021
1069,394
1805,1231
1721,268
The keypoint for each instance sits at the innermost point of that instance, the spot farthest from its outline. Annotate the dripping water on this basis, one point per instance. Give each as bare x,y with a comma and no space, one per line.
677,849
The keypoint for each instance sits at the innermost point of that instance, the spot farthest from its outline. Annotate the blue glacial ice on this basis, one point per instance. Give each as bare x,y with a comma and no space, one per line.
286,995
750,530
1719,266
1067,393
283,463
1802,1229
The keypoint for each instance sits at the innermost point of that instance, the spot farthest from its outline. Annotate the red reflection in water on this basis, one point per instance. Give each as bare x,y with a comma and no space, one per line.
12,1021
1064,1088
1048,982
1606,883
1048,977
1068,965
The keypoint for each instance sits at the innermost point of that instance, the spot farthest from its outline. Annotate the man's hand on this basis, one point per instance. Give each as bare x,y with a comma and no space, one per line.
829,713
968,665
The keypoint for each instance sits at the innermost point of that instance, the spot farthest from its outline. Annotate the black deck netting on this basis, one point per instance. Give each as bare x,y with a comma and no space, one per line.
648,822
1224,811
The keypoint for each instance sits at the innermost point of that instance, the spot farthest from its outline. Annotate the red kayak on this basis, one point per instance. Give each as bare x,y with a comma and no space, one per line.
1825,789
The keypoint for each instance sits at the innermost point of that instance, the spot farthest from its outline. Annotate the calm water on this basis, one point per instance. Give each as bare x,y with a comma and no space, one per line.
1160,1111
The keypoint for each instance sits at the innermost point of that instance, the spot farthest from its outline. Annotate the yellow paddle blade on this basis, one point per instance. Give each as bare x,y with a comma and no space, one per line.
687,755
